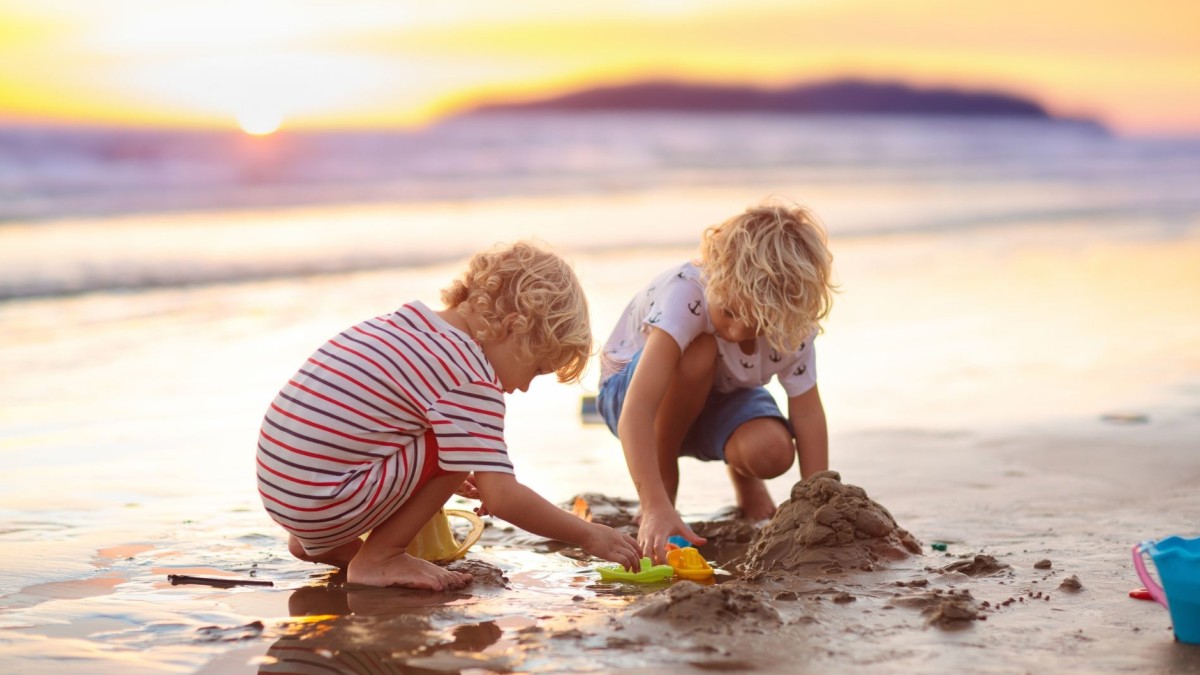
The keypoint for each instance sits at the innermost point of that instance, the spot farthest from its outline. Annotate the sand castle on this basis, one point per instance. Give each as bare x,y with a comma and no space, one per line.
828,525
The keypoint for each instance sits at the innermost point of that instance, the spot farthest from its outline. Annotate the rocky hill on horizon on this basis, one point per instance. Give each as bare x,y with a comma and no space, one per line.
833,97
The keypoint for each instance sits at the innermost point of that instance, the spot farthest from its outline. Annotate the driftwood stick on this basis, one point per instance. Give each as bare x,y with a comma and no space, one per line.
177,579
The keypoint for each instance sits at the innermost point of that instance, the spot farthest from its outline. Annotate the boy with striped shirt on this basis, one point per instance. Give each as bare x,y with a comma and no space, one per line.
388,419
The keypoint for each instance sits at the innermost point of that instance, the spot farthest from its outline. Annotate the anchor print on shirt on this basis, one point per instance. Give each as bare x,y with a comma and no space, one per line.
655,317
800,369
745,365
775,357
694,308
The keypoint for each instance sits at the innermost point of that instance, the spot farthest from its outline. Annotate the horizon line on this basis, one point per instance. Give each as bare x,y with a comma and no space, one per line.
515,99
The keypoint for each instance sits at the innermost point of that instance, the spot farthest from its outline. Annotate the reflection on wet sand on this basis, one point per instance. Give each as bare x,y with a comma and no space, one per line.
374,630
340,628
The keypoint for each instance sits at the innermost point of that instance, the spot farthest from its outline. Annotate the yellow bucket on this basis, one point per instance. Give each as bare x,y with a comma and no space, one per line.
436,541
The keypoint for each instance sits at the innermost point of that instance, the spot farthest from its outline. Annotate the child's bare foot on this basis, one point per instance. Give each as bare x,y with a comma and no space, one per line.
397,568
338,557
752,496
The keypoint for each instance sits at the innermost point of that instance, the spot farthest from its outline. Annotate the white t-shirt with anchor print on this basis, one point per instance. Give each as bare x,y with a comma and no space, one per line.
675,302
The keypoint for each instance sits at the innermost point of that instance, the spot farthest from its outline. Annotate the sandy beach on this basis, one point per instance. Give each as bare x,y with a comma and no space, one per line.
195,197
1029,395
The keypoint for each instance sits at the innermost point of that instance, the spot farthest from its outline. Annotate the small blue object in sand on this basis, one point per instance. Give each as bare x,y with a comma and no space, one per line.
679,541
1178,563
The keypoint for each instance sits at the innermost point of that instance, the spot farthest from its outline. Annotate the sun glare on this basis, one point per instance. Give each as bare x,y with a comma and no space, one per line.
259,122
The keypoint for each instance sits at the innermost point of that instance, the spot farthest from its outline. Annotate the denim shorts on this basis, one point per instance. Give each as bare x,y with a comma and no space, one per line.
723,413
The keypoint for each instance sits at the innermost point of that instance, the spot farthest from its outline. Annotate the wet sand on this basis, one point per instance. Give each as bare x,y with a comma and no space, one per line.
988,604
1019,402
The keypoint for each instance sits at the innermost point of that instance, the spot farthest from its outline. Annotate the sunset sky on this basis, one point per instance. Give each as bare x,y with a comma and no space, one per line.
355,63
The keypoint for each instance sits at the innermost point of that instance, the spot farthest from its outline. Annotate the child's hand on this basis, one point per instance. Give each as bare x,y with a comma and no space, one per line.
469,490
605,542
657,527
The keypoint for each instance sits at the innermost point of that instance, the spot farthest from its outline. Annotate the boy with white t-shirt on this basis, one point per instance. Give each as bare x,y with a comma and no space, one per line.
684,368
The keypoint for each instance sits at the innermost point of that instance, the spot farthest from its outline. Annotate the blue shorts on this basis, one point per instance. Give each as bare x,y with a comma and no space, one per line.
723,413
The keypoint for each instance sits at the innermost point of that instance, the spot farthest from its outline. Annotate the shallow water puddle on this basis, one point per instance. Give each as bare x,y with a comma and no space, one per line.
106,556
63,590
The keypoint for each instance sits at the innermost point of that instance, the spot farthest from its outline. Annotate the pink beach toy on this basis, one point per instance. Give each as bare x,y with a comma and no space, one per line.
1178,563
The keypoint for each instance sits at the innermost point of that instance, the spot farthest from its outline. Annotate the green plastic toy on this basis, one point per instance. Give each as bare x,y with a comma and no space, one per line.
649,574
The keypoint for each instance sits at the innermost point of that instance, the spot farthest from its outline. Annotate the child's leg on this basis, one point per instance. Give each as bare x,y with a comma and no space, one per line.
338,557
382,560
681,405
758,449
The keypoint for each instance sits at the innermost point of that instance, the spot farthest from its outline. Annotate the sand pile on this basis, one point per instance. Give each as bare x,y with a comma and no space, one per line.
979,566
828,525
1071,583
484,573
951,613
693,607
949,610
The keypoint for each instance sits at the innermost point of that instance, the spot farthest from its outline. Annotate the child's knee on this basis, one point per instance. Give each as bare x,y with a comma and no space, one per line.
773,458
297,549
777,459
764,447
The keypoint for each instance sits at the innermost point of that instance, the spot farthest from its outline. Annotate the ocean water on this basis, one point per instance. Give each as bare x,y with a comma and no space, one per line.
86,210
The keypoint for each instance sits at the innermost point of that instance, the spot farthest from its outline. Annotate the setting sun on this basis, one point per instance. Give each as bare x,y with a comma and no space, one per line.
259,122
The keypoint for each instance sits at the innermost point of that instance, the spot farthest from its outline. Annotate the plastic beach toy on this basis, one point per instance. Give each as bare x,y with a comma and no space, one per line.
1178,563
689,564
649,573
436,542
1141,594
678,541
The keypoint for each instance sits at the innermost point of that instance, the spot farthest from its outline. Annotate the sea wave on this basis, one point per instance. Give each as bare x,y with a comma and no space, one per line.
88,210
54,173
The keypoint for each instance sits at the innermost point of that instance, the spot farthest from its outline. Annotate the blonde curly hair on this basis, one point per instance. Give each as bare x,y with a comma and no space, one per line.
771,267
541,289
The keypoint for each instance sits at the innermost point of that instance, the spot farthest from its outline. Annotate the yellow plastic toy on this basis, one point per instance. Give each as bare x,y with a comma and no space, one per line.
689,564
649,573
436,542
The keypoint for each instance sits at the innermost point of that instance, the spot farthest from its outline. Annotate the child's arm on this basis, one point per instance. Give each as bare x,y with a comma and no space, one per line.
509,500
807,417
660,520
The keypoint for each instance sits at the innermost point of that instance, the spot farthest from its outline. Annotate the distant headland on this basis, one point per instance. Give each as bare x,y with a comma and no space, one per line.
824,98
